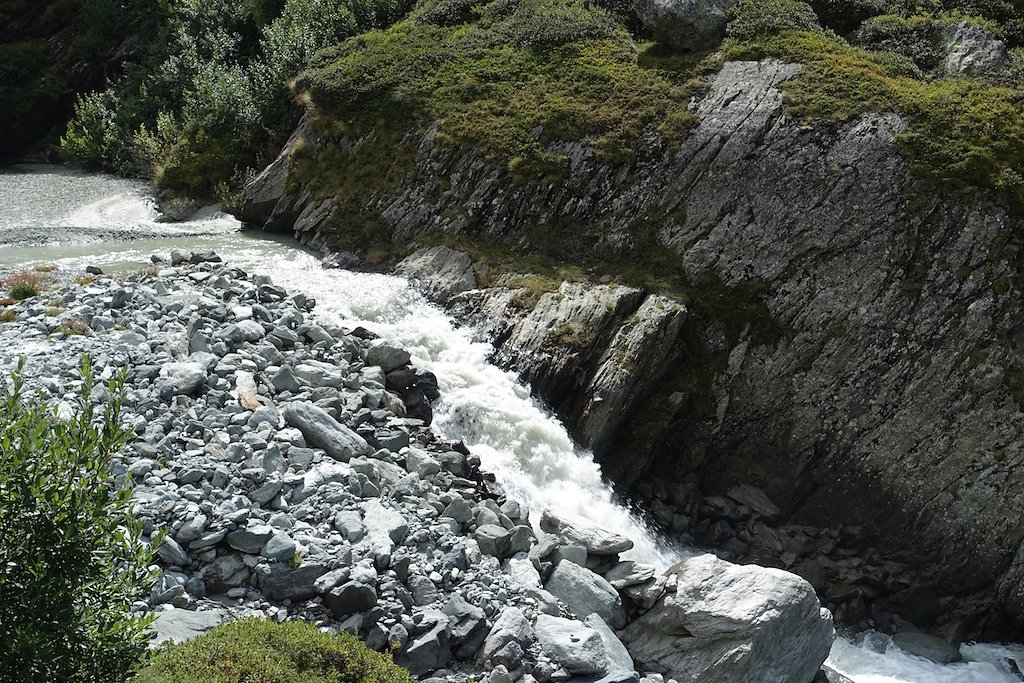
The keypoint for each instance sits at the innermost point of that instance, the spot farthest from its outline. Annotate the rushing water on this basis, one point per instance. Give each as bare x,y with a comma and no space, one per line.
522,444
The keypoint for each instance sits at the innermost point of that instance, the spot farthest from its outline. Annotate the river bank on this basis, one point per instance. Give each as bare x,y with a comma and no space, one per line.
494,413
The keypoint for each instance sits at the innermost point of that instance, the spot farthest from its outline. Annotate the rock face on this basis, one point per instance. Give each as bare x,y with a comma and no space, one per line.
974,51
727,623
847,345
685,24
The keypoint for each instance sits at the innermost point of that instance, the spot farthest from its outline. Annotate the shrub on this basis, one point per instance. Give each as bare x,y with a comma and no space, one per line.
917,38
22,286
8,316
208,100
751,19
71,560
255,649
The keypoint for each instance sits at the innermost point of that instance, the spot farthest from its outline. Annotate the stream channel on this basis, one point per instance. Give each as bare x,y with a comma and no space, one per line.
52,215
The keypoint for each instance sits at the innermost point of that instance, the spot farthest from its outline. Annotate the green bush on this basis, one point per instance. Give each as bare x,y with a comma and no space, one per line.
262,651
71,560
752,19
918,38
845,16
208,101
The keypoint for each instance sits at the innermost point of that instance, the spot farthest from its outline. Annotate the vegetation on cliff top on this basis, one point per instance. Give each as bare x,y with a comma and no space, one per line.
201,102
207,104
510,76
963,133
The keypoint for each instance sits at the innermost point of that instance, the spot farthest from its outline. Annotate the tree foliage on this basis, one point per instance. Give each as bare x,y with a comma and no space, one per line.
71,558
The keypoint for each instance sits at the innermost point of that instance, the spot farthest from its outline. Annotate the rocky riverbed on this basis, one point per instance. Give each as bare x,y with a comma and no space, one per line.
291,467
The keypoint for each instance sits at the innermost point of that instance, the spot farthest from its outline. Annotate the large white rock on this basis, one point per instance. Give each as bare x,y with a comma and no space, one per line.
572,645
726,623
586,593
187,377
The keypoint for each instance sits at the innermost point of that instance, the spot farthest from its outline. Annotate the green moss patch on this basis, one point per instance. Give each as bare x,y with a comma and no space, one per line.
511,76
260,650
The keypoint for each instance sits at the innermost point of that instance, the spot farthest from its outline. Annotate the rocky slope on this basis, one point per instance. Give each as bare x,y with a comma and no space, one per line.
283,462
836,334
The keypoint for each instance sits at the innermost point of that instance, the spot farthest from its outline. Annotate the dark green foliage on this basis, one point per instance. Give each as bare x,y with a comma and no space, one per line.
916,38
209,103
71,560
262,651
846,16
51,49
750,19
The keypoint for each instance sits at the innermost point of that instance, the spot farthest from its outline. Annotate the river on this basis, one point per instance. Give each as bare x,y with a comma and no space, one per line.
51,215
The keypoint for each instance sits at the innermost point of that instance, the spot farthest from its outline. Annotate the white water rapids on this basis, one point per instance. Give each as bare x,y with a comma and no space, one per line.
517,439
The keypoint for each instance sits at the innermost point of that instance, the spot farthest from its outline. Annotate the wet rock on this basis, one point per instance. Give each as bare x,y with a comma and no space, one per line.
440,272
386,354
578,531
929,647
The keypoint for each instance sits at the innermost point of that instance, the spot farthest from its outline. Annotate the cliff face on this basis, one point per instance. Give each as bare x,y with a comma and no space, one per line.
841,337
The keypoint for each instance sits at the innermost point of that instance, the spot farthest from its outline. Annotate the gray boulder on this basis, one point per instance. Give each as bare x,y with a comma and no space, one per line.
929,647
727,623
386,354
620,667
578,531
319,374
493,540
250,539
685,24
467,625
323,431
974,51
279,582
586,593
510,627
428,651
172,553
572,645
186,378
350,598
439,271
179,625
